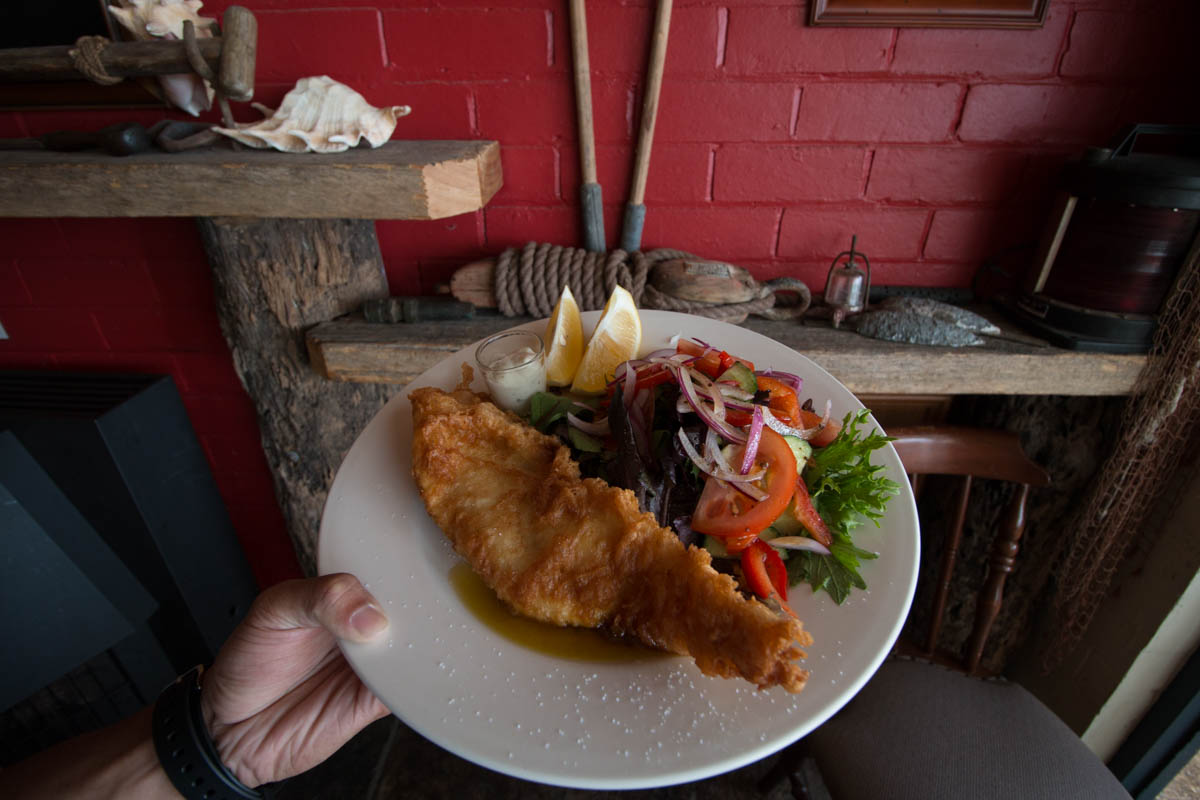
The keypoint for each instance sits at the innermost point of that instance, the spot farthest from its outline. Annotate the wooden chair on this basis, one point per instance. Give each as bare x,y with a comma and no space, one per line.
928,725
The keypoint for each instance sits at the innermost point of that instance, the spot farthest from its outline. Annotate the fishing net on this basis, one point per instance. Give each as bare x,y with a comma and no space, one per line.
1158,421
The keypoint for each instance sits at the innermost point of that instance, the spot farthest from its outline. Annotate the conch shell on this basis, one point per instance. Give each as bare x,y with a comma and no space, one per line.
163,19
319,115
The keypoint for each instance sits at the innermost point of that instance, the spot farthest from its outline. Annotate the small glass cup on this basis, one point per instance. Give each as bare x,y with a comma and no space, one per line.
514,367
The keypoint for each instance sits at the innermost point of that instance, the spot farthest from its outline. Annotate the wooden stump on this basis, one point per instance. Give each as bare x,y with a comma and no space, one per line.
274,279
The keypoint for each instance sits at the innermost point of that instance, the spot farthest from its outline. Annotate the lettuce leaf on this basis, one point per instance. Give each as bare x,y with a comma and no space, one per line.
846,489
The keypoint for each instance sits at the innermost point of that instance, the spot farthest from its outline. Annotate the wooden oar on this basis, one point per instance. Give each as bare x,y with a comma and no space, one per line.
591,205
635,211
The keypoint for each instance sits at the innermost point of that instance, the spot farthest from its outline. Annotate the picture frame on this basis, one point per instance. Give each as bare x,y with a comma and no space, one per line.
1010,14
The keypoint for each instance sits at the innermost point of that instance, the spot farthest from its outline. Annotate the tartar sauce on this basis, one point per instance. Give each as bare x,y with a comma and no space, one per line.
514,367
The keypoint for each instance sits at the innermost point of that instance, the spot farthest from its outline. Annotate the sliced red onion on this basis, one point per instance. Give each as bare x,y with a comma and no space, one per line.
740,482
709,416
794,381
799,543
787,430
599,428
752,439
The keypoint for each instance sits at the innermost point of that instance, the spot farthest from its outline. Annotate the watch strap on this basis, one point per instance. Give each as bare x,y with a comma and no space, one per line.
185,749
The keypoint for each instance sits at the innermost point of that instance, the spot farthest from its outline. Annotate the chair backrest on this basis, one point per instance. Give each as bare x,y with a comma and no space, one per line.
967,452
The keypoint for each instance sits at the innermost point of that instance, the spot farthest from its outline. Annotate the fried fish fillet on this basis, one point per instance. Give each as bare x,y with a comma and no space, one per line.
571,551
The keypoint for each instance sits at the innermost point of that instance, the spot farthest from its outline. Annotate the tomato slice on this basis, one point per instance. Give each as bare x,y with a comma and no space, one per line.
710,361
781,399
810,419
653,376
726,512
764,570
808,517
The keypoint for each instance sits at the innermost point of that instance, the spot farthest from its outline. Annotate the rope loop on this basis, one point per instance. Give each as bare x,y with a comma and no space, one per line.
529,282
87,54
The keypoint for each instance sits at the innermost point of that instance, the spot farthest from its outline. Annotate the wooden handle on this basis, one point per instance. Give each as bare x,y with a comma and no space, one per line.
239,38
583,91
654,75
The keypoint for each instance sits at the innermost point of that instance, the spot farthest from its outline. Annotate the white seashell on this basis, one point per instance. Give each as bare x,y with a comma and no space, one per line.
163,19
319,115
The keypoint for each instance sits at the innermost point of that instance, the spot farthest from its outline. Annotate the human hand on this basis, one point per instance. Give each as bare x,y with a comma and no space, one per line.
280,697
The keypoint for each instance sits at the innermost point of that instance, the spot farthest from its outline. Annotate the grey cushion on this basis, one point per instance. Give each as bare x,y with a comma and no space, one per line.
921,731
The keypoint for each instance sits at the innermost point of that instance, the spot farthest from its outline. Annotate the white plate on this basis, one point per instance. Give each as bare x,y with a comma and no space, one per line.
609,725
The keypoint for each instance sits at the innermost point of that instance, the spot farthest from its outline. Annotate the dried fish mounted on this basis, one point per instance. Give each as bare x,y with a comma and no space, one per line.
943,312
319,115
163,19
912,328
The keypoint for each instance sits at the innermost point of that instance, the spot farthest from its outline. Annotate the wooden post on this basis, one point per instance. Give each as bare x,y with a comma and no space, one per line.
275,278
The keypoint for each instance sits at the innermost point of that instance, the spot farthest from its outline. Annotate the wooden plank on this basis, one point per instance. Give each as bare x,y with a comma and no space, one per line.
350,349
400,180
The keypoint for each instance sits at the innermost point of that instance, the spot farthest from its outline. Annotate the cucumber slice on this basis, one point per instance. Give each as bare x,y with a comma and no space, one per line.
741,375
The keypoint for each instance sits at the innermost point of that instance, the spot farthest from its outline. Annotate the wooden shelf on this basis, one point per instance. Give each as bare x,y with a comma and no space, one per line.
350,349
400,180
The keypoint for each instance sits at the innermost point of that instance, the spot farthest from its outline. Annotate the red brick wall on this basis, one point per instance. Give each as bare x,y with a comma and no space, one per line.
775,142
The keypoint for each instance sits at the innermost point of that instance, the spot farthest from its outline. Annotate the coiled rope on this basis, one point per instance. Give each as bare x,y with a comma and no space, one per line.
529,282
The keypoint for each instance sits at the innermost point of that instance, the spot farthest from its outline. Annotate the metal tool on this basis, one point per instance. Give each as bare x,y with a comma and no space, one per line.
635,210
848,288
591,204
122,139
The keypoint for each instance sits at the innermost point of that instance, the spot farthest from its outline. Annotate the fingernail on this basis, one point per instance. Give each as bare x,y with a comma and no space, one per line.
368,621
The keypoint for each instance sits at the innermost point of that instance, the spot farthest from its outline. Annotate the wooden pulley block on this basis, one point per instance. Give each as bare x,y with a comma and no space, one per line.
702,281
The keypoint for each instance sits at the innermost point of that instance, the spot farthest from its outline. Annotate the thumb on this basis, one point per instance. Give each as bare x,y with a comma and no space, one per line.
338,603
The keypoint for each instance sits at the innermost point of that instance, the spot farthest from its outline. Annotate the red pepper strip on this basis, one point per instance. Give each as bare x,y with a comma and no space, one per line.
764,570
808,516
653,376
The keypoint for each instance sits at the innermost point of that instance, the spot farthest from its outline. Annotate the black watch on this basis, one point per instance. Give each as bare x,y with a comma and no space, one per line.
185,749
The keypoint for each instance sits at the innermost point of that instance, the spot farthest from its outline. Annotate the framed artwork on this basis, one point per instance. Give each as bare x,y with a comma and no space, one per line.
929,13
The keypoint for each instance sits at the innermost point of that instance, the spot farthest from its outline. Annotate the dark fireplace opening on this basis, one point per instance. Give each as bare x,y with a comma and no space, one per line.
119,566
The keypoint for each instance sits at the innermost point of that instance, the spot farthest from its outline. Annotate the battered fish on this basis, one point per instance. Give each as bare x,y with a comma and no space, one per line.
573,551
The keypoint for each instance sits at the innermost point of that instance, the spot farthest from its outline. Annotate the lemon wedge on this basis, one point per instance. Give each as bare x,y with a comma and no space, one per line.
617,338
564,340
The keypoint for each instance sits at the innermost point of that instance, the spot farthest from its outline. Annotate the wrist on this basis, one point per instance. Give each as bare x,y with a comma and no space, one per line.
185,748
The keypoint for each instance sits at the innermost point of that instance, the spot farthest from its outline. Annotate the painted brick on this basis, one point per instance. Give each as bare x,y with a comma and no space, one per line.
788,173
185,281
1117,44
142,237
531,176
704,111
812,234
13,291
619,40
516,226
150,363
1038,114
41,122
51,330
461,44
973,53
89,283
923,273
439,110
408,240
878,112
943,175
539,111
812,273
32,238
344,44
958,234
402,276
678,173
10,359
206,372
768,41
728,233
262,532
221,412
12,126
155,329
